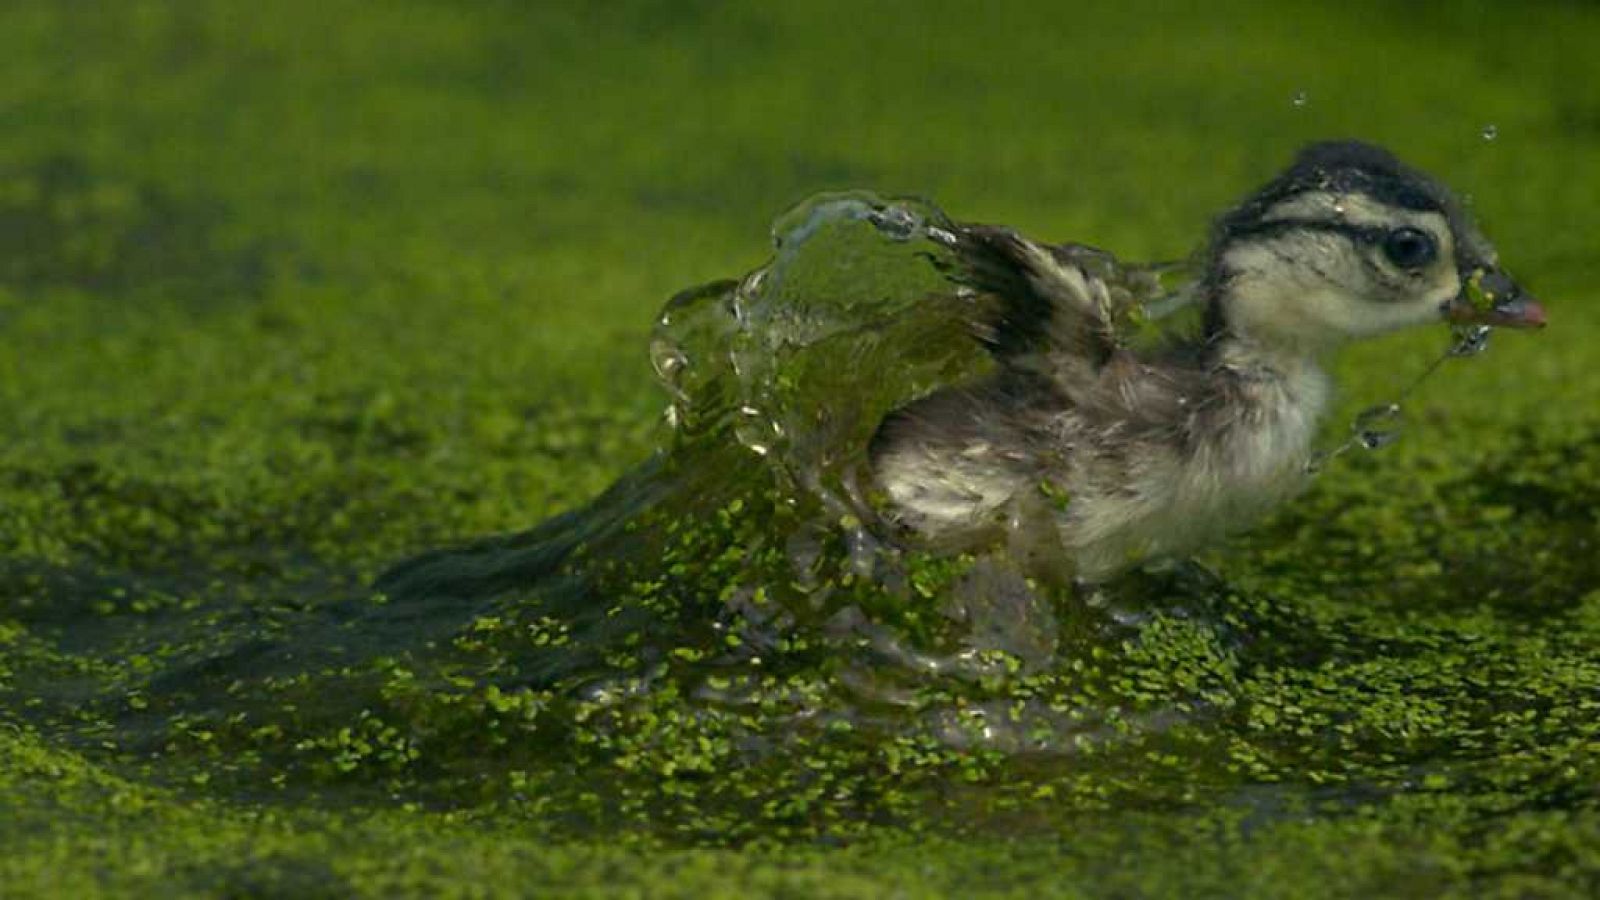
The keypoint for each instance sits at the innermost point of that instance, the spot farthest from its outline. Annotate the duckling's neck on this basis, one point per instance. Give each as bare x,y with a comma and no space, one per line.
1249,357
1259,349
1277,385
1279,396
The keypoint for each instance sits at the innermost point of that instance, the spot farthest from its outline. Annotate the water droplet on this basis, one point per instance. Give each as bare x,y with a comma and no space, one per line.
1385,412
1377,440
1301,98
668,361
896,222
1471,341
754,430
1490,132
1377,427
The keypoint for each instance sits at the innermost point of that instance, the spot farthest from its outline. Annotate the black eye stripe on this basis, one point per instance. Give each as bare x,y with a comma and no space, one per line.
1366,234
1427,247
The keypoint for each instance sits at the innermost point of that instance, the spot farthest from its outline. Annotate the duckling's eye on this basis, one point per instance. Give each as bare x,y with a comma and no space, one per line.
1410,248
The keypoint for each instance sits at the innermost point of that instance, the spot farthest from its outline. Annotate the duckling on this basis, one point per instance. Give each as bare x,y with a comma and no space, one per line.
1100,455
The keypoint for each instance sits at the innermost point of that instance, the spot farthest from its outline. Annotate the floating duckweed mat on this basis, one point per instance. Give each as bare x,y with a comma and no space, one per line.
291,317
730,643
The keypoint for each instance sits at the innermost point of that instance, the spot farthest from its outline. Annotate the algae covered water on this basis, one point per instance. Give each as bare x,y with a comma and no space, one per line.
302,304
733,642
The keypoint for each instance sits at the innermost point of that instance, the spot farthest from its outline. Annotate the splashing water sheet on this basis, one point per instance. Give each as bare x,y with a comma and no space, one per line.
749,565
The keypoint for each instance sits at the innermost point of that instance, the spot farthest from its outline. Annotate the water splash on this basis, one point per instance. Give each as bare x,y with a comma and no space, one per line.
756,544
1377,427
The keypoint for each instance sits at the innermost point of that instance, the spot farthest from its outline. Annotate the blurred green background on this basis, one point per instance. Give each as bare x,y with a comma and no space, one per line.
320,284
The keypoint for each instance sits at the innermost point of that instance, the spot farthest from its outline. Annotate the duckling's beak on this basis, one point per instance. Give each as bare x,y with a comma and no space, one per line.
1490,297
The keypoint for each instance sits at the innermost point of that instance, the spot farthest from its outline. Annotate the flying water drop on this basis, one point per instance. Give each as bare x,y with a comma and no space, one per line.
1378,426
1470,341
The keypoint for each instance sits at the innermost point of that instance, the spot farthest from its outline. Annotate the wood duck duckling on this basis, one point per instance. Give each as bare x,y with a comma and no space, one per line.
1099,455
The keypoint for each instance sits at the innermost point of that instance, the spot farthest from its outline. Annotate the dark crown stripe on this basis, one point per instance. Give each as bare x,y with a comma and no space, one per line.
1343,167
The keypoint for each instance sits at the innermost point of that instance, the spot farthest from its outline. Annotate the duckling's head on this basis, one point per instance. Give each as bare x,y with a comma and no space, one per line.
1350,242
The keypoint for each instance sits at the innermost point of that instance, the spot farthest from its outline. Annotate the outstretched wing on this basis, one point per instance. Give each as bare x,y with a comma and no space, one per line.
1064,310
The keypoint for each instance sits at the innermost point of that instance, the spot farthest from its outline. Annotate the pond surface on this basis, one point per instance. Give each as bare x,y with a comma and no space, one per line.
294,321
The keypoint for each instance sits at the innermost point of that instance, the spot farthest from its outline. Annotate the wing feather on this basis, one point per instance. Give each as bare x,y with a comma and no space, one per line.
1069,306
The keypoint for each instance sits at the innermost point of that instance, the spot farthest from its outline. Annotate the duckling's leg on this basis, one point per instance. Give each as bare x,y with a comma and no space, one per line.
1176,588
1033,543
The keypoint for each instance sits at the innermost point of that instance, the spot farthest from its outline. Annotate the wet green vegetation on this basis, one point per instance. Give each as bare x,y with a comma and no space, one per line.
291,295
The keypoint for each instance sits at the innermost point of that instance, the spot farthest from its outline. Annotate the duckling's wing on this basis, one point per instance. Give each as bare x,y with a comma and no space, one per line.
1066,309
